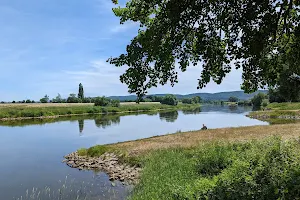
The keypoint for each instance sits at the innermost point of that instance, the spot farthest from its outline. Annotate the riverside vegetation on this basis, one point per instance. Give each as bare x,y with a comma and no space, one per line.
290,111
14,112
229,163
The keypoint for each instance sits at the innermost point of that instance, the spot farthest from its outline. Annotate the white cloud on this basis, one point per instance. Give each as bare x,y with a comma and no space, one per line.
99,78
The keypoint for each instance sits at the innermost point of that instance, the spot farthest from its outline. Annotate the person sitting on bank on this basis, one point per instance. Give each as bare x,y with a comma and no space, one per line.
204,127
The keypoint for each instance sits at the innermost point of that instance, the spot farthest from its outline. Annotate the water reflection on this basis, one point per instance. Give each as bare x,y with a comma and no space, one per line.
170,116
226,109
81,126
101,121
193,112
104,121
233,108
107,120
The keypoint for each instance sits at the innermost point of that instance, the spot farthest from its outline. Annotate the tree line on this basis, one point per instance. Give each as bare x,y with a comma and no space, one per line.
104,101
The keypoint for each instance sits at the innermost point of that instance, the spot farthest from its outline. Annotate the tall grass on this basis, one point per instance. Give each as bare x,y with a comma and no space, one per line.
31,112
70,190
284,106
266,169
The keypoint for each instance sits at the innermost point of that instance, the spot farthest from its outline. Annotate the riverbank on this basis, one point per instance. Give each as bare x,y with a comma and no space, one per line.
23,112
168,160
286,111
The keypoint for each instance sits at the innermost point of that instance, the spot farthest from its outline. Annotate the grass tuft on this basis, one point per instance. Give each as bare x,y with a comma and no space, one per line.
97,151
82,152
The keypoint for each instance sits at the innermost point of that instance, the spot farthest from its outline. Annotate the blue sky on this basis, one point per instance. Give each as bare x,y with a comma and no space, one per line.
50,46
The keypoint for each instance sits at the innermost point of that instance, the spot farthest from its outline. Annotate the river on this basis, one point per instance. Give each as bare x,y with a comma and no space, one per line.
31,151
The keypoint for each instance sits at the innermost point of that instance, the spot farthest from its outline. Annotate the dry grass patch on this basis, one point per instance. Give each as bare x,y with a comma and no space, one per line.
194,138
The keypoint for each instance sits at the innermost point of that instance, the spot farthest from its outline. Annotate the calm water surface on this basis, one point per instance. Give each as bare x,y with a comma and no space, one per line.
31,151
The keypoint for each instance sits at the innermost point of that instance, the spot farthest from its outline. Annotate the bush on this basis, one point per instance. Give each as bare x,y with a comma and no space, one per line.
265,103
187,101
258,99
45,99
197,99
102,101
87,100
115,103
233,99
73,99
170,100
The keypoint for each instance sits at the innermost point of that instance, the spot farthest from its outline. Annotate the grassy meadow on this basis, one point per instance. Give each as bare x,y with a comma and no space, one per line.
259,162
15,111
277,110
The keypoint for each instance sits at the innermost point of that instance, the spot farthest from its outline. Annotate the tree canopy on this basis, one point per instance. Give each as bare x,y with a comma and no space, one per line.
233,99
258,99
261,37
45,99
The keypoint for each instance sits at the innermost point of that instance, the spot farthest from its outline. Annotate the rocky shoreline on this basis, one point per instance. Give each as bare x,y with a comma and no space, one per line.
108,163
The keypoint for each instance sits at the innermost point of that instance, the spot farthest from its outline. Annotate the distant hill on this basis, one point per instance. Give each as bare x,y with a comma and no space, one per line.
222,96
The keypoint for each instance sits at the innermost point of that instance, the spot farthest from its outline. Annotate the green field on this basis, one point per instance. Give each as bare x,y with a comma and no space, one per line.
29,111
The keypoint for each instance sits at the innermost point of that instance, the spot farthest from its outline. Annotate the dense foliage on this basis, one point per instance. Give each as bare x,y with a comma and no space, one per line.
233,99
73,99
155,98
288,89
192,100
45,99
253,170
259,37
103,101
258,100
170,100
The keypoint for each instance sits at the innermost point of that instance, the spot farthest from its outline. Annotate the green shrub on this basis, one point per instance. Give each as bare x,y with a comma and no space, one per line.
257,100
214,160
102,101
265,103
115,103
170,100
187,101
233,99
